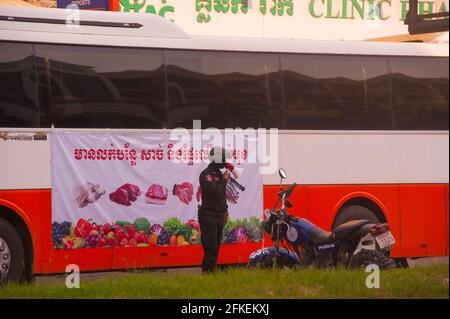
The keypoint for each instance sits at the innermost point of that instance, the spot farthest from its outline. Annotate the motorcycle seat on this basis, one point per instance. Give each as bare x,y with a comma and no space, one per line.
320,236
346,228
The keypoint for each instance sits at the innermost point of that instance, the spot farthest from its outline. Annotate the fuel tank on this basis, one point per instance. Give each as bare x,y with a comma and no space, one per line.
297,232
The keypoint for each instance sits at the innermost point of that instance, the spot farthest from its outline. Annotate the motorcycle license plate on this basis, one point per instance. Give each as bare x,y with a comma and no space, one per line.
385,240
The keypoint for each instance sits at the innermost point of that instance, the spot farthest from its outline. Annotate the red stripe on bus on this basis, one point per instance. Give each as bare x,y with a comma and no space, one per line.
417,214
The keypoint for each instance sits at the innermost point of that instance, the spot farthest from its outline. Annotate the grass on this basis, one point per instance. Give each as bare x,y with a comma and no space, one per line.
420,282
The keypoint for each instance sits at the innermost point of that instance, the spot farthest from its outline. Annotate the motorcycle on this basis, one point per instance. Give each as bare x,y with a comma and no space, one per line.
299,243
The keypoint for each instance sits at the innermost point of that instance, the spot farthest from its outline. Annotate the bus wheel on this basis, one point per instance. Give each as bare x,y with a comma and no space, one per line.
12,255
354,212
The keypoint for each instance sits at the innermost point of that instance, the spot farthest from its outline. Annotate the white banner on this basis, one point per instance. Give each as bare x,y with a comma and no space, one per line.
142,188
300,19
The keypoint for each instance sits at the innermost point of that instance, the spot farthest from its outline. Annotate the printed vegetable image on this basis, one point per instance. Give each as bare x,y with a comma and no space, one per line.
132,242
142,224
156,229
173,240
83,228
125,194
253,229
163,238
156,194
195,237
173,232
122,223
181,241
184,192
78,242
140,237
185,232
124,242
240,233
59,231
87,194
106,228
243,231
152,239
172,225
192,223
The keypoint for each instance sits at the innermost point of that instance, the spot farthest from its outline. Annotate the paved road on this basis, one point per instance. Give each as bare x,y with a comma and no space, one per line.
428,261
196,270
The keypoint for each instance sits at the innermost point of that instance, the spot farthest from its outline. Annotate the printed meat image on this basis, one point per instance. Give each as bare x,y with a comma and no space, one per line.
156,194
125,194
198,195
184,192
87,194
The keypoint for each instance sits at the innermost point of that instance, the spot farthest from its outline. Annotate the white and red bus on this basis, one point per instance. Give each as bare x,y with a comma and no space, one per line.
363,126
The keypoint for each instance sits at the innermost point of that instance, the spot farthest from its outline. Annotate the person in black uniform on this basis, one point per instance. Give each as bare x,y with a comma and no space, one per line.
213,212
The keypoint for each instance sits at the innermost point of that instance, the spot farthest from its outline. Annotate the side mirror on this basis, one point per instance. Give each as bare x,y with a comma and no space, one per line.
282,173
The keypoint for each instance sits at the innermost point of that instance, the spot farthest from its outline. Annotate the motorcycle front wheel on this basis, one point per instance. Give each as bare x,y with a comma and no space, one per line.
367,257
266,262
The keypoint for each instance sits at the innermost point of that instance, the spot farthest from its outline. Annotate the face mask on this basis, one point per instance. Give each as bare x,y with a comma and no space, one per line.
219,165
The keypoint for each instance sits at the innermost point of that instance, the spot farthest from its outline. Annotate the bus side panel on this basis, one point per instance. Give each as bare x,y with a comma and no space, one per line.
424,223
419,202
136,257
172,256
56,260
297,199
446,219
114,5
29,206
87,259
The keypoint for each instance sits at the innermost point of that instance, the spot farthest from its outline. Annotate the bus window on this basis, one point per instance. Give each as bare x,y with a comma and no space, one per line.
18,105
97,87
420,93
223,89
325,92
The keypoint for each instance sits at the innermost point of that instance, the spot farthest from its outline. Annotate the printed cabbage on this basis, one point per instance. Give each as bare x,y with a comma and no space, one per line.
173,225
142,224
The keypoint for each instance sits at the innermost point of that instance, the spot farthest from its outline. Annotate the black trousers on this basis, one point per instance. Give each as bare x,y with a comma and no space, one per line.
211,237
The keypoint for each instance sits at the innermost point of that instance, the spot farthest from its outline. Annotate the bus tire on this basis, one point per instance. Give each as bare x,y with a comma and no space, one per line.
12,253
354,212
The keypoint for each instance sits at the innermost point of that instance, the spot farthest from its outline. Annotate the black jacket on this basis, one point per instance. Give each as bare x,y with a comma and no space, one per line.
212,186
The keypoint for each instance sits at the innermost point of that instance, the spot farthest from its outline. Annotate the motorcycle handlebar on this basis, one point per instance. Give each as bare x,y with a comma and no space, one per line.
283,215
289,190
285,193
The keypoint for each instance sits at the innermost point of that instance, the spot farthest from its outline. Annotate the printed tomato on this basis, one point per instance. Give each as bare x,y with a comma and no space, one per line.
83,228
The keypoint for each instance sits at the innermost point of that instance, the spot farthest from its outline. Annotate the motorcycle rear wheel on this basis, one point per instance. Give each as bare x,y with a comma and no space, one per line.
367,257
